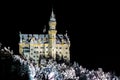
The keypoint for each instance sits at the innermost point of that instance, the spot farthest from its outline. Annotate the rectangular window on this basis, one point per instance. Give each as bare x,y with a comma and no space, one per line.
42,47
65,56
36,52
35,47
66,52
60,52
26,49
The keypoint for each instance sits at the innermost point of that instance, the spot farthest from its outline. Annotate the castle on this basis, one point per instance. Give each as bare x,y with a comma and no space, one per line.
56,46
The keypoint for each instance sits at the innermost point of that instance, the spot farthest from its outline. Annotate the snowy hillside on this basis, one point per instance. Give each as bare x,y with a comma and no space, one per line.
15,67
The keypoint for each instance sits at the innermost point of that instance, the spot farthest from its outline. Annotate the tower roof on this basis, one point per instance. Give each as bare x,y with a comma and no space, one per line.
52,17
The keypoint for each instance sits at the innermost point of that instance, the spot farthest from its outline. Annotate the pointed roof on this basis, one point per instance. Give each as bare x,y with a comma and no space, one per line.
52,17
66,33
44,30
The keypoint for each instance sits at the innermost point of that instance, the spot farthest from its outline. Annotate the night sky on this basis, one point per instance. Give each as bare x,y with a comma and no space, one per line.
90,26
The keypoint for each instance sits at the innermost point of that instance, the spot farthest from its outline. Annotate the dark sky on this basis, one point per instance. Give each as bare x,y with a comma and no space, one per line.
90,25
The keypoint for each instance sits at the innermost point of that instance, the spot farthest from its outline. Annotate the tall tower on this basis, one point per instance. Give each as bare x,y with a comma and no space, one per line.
52,35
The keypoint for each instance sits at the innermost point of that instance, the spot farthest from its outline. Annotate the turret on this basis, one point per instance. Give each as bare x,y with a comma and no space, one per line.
52,22
68,40
20,37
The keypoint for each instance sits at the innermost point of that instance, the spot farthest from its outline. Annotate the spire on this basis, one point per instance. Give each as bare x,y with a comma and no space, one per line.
19,32
44,30
66,33
52,18
52,13
20,36
52,22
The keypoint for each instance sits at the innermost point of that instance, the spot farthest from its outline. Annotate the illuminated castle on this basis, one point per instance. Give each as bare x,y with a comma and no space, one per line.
56,46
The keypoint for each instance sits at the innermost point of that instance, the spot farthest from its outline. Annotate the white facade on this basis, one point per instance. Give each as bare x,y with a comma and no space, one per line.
32,46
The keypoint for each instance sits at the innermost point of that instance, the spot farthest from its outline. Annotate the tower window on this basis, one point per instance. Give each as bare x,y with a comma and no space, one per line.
60,48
